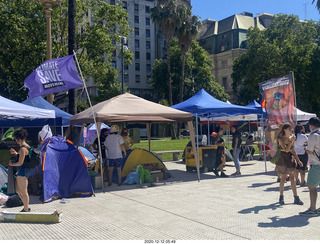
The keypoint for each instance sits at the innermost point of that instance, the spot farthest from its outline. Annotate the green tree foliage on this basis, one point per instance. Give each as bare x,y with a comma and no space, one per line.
23,41
287,45
197,74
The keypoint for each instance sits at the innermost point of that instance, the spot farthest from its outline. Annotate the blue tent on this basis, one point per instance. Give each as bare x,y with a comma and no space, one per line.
202,104
62,118
65,172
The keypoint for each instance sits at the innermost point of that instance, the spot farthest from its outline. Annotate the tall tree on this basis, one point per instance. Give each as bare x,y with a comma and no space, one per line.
287,45
23,41
198,73
71,48
317,4
186,32
165,15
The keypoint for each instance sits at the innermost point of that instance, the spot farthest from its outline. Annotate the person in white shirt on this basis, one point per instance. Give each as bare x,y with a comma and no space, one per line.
300,148
313,150
115,152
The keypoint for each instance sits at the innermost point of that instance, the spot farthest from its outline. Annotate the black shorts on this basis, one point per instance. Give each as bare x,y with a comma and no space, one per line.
304,159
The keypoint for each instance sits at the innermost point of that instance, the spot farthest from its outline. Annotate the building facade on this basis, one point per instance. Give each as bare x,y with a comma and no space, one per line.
225,40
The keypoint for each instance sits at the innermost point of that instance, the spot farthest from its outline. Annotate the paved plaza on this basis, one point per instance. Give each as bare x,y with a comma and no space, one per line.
234,208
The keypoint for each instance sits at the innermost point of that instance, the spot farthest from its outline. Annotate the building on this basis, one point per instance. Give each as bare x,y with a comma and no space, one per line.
225,40
143,42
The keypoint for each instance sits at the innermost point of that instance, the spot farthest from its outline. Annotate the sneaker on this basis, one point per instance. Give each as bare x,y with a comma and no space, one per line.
309,212
22,211
223,175
297,201
236,174
298,182
215,171
303,184
281,201
278,180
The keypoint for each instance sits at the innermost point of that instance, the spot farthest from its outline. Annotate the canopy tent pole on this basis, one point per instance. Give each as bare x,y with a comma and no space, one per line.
149,135
264,146
94,118
192,137
197,158
208,140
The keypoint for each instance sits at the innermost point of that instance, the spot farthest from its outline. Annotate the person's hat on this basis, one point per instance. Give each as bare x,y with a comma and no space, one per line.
114,128
314,121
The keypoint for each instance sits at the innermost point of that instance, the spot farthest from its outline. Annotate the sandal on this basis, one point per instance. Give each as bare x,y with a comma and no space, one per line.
29,209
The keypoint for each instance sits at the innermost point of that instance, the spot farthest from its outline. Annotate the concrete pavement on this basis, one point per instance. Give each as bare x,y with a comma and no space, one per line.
234,208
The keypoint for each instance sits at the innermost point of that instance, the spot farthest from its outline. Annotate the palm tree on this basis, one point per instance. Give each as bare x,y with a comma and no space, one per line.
186,32
165,15
317,4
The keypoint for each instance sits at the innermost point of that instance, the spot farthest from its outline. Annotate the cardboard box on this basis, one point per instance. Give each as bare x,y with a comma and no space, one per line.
158,175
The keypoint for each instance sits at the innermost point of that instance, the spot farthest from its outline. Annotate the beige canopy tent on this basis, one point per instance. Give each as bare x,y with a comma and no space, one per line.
128,108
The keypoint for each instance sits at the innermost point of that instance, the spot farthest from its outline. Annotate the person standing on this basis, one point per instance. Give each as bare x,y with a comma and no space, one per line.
128,142
313,151
300,148
236,147
103,135
286,164
116,152
221,157
23,172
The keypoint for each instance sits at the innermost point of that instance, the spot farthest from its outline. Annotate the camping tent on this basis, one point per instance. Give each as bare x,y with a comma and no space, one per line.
11,110
133,109
65,170
304,116
3,176
141,156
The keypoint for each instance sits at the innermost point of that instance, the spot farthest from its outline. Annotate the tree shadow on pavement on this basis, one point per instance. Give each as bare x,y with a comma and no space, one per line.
290,222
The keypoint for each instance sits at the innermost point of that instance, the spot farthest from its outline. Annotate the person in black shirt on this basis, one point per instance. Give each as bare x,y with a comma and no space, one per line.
103,135
236,147
221,157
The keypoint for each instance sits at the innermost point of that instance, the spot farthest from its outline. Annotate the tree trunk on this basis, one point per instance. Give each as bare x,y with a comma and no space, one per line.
183,63
169,75
71,47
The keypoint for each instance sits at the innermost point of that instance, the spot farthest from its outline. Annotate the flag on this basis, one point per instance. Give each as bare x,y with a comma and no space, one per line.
263,103
52,76
279,97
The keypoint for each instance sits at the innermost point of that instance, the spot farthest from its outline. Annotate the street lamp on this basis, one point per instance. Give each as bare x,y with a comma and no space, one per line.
48,9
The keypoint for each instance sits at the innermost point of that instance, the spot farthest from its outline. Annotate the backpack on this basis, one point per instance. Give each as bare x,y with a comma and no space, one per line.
14,201
34,158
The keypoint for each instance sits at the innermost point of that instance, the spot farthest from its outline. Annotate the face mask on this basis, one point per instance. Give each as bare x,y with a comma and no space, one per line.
125,134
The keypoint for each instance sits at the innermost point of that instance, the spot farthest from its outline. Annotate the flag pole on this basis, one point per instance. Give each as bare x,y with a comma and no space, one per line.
95,122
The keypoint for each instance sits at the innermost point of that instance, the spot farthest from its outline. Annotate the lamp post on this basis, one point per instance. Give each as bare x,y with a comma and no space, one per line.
48,9
122,64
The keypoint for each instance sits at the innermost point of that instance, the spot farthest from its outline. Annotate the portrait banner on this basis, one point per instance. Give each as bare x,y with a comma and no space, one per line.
53,76
279,97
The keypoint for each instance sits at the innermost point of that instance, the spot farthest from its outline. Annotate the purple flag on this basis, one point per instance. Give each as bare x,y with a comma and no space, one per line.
53,76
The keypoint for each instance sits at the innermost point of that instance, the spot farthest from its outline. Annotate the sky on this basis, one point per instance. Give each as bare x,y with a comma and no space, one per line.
221,9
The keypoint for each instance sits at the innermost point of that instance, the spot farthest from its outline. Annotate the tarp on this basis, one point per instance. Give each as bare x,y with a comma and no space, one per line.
65,172
11,110
304,116
62,117
205,105
130,108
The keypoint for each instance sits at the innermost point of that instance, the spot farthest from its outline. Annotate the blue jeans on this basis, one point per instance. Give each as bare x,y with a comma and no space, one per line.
236,159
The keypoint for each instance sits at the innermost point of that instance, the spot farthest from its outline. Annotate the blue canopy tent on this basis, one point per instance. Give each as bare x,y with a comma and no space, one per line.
202,104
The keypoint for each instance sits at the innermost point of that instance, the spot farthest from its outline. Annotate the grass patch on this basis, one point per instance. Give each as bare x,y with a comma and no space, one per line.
163,144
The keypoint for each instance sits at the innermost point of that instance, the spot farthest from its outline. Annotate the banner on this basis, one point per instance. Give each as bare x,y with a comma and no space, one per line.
53,76
279,97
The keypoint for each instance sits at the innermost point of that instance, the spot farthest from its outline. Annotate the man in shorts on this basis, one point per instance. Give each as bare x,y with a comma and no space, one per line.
313,150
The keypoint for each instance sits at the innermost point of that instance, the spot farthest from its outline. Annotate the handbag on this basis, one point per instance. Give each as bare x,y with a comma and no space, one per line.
275,158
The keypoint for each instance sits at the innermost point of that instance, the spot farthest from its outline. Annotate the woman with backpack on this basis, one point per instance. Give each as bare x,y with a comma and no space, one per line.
23,172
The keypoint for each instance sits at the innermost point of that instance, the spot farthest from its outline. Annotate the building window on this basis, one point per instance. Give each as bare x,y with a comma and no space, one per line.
126,67
148,67
136,7
225,82
148,45
137,66
136,43
114,64
147,9
126,77
125,5
136,31
148,56
137,55
112,2
147,33
224,64
147,21
138,78
136,19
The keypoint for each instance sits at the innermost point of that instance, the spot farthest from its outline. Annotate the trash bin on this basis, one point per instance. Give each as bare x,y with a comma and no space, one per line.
96,182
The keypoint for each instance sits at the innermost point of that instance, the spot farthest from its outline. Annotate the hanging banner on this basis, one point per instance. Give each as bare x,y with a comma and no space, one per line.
279,97
53,76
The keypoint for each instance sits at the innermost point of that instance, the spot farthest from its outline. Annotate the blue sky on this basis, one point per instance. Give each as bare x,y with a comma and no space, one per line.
220,9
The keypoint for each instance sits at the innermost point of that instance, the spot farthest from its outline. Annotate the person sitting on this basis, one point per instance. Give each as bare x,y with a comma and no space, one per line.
221,157
248,148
